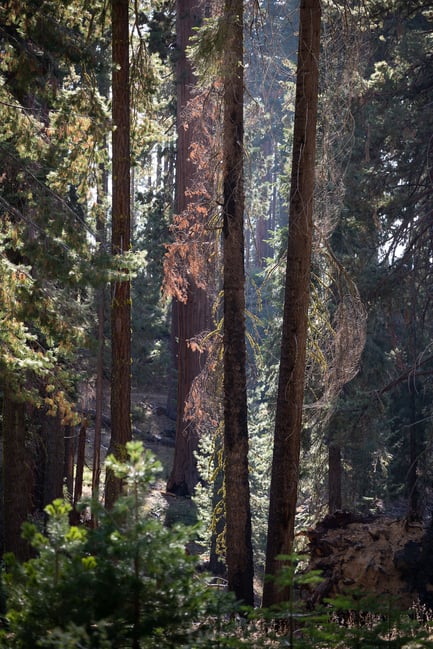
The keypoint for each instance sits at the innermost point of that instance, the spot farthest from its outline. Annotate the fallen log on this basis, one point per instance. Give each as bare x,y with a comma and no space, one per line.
381,556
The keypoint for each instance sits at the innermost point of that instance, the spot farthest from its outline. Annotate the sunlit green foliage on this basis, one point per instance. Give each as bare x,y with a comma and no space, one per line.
50,149
130,582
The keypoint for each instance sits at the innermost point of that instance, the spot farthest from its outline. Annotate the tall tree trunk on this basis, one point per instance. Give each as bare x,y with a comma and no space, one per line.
69,461
120,243
415,417
81,460
239,555
49,454
415,435
17,475
99,386
288,419
99,394
216,559
193,316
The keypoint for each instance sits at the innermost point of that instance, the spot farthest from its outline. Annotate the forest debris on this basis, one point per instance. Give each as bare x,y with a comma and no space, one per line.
379,556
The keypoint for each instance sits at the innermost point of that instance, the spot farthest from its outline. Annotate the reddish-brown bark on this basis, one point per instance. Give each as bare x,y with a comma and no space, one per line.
191,316
120,243
239,556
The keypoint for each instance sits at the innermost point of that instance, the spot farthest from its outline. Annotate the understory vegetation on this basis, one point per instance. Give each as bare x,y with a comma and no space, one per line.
129,581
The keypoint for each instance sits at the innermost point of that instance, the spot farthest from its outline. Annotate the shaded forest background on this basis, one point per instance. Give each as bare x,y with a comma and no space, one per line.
366,436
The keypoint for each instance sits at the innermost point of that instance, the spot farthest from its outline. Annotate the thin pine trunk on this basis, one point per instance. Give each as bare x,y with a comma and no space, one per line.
415,435
99,388
81,458
69,460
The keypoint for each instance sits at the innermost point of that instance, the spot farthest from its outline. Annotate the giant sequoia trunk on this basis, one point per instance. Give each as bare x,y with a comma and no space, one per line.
193,316
288,420
236,488
120,243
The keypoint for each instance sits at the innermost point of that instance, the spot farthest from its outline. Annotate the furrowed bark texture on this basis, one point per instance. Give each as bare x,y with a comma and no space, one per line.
288,420
120,243
193,316
237,496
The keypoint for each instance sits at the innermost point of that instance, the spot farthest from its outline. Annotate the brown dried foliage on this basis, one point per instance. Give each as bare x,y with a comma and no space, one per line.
193,251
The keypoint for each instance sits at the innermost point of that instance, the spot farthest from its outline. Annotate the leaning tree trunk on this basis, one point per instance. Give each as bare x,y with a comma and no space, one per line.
288,419
120,244
239,555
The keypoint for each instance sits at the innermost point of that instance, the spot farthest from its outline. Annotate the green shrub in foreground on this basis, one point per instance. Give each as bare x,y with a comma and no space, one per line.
353,620
128,583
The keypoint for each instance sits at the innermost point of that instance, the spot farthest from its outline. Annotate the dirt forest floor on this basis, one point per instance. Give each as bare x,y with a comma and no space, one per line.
157,431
